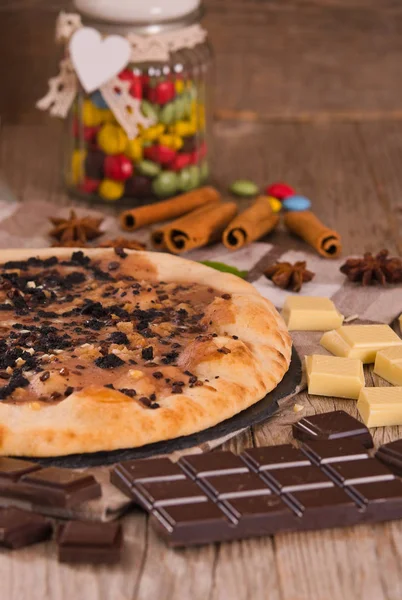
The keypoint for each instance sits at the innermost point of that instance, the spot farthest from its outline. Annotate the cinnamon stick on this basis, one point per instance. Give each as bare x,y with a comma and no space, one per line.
255,222
167,209
199,228
158,237
306,225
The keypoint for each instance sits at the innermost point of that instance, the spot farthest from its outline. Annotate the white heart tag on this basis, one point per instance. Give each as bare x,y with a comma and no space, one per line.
97,60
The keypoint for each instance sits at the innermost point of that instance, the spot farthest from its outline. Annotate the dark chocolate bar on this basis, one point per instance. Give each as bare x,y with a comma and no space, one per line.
220,496
331,426
19,528
28,483
391,455
90,542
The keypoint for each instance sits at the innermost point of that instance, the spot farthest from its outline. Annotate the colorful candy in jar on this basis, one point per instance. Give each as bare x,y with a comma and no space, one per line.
166,157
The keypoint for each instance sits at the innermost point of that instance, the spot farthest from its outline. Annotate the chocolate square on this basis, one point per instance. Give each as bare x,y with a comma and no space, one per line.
356,472
260,515
274,457
210,464
324,452
237,485
380,497
332,425
90,542
163,493
301,478
324,507
191,524
126,474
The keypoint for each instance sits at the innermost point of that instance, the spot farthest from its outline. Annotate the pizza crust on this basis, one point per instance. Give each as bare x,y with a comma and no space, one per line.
98,419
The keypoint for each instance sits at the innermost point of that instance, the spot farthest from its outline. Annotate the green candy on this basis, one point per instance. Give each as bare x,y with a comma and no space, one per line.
244,187
149,110
184,180
195,176
165,184
167,114
224,268
179,108
204,171
148,168
189,178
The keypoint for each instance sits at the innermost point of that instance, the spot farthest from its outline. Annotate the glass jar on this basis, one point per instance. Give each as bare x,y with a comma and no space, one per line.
172,155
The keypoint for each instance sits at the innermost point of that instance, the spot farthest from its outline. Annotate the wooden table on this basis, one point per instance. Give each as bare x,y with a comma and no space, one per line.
308,92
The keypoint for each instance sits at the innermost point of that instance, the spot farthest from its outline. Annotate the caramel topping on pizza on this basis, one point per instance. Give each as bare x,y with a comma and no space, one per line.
68,324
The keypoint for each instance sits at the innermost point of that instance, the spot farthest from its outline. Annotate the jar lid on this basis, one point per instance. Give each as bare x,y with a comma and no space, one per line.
137,11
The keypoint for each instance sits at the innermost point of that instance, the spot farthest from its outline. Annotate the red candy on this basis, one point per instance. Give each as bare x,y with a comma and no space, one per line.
136,87
118,167
279,190
160,154
89,186
164,92
181,161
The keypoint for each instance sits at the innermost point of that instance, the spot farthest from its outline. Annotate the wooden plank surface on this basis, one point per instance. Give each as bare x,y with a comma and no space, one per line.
309,92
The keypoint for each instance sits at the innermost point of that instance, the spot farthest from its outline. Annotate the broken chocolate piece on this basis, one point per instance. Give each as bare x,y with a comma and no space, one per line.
332,425
90,542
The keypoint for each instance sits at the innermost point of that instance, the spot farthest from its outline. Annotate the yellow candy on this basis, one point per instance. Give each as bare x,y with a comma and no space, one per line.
183,128
77,166
179,86
90,114
112,139
276,204
171,141
152,133
134,150
110,189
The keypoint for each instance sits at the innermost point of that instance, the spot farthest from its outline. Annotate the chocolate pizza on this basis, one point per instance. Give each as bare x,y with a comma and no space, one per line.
112,349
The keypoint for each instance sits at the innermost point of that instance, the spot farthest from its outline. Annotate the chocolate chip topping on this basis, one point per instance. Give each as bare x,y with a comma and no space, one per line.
147,353
110,361
67,317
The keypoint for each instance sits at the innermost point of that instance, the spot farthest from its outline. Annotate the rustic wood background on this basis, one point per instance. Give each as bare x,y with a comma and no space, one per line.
308,91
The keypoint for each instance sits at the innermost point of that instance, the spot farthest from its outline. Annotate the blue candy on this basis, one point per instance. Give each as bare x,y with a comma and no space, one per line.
98,100
294,203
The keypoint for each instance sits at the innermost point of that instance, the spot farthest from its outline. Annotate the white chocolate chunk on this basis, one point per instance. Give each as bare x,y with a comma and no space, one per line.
380,407
311,313
334,376
388,364
360,341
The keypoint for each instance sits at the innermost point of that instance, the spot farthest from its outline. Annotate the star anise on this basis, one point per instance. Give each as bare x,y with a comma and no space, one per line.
122,242
75,229
373,269
288,276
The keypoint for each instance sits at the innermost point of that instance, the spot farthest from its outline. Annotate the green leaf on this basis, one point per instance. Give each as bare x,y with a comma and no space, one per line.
219,266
